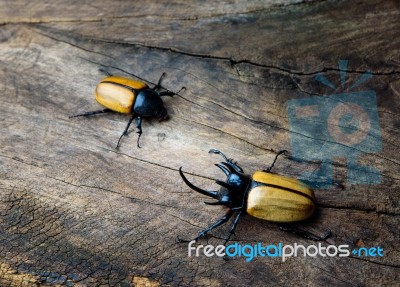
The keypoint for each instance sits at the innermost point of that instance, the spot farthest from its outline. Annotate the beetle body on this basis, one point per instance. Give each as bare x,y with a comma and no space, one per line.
118,93
278,198
125,95
129,96
263,195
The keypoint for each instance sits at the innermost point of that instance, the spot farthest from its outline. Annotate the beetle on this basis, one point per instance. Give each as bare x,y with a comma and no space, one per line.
263,195
128,96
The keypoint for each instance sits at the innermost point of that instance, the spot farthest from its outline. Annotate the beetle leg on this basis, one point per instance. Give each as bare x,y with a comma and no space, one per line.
215,203
180,240
166,93
276,157
91,113
158,86
305,234
125,133
139,127
233,228
170,93
219,222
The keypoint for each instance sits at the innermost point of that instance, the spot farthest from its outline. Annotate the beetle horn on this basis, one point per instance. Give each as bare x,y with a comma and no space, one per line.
224,169
213,150
223,184
232,168
213,194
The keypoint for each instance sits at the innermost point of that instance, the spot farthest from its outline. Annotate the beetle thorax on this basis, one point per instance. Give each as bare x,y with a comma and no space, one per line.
149,104
234,192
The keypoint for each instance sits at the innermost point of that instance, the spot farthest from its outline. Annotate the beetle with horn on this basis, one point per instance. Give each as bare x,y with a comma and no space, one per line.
263,195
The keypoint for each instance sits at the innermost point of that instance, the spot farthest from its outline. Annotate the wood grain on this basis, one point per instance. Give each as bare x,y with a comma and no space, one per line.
77,212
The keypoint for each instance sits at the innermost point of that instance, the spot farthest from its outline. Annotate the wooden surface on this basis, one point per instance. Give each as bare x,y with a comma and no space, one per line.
77,212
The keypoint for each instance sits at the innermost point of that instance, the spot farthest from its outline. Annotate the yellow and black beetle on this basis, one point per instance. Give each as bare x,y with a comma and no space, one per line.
127,96
263,195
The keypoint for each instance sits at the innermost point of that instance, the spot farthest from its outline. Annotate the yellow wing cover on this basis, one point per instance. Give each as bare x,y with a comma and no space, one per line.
118,93
278,198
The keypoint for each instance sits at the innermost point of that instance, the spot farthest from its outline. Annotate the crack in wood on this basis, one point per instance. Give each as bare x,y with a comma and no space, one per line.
232,61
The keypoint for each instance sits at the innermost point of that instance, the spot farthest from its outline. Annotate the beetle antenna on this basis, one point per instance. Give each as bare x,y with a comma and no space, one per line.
213,194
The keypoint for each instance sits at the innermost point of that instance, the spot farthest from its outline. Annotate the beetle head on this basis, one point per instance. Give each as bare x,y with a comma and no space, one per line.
232,192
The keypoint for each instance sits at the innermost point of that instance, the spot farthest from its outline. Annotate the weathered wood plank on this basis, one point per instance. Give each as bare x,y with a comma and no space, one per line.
75,210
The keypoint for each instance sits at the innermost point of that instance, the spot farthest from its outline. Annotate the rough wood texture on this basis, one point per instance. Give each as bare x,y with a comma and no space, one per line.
76,211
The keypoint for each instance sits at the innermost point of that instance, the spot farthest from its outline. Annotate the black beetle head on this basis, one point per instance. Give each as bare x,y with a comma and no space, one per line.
232,192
